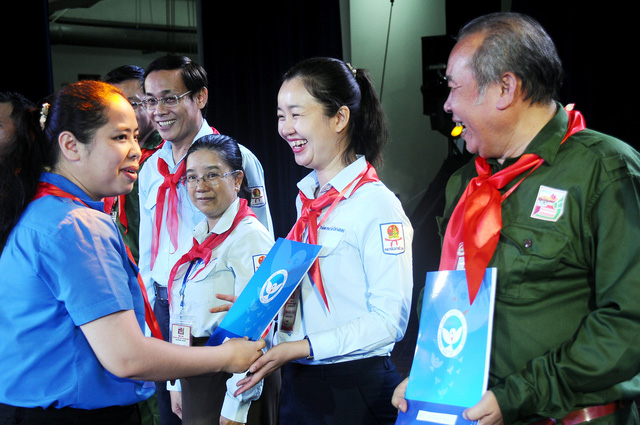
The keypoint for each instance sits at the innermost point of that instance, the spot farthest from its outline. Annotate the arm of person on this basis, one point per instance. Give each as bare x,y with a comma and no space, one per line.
251,242
176,403
122,349
145,228
273,360
389,284
603,350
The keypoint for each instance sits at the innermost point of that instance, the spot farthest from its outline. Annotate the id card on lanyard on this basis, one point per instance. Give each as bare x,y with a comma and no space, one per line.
182,325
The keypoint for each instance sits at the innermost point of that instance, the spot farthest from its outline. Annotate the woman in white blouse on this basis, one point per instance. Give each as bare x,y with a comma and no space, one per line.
228,246
335,337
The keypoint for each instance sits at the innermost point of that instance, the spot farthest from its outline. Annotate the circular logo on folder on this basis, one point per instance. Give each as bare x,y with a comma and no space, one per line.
452,333
273,286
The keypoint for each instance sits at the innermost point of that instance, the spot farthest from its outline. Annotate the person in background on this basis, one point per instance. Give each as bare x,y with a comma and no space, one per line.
229,244
565,346
336,334
176,98
74,350
19,156
126,208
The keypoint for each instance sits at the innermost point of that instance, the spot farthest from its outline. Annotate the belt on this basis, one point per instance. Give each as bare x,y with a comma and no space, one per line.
342,368
161,292
585,415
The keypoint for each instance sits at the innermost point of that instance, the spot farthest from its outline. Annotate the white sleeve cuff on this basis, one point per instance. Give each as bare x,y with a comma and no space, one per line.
237,408
174,387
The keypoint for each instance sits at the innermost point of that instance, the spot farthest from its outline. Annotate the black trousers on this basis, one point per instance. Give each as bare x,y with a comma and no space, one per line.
161,310
356,392
115,415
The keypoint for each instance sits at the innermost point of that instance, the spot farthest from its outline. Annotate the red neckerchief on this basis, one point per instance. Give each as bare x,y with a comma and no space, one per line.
45,189
311,210
203,251
476,220
170,182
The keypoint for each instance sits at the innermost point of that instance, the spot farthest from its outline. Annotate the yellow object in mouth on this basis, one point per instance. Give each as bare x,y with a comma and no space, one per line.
457,130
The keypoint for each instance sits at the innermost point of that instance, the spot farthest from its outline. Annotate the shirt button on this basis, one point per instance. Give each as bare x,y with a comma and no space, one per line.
527,243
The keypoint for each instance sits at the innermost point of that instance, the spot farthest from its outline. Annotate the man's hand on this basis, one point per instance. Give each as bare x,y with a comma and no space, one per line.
398,399
486,412
225,421
176,403
223,307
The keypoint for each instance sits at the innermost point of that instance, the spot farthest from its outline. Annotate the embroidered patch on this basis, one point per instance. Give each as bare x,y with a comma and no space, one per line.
549,204
257,196
257,260
392,235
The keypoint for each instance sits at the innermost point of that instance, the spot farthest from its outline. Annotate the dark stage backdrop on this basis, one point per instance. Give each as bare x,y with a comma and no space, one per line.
245,59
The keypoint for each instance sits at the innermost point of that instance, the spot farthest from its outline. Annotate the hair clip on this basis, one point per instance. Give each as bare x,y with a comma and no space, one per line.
43,114
352,69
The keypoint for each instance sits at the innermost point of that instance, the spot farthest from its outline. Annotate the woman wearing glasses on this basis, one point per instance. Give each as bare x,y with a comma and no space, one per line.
229,244
73,349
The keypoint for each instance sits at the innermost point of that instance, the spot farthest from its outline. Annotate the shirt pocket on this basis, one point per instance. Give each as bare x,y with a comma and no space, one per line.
329,240
529,257
210,280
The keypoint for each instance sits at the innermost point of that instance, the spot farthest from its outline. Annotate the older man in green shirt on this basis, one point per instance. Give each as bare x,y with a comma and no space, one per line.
566,336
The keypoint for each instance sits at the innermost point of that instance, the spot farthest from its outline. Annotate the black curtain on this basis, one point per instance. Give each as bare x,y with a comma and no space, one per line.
245,59
596,43
26,60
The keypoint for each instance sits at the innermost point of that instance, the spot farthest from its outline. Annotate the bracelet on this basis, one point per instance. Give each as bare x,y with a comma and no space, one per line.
310,356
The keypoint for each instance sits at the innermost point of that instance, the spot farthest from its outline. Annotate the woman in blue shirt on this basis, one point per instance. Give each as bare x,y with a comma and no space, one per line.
73,349
335,336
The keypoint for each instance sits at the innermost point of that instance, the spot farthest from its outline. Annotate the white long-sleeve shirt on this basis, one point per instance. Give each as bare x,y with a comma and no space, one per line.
366,267
149,182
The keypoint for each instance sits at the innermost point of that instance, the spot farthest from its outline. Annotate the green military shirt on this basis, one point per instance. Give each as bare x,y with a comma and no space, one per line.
567,314
131,204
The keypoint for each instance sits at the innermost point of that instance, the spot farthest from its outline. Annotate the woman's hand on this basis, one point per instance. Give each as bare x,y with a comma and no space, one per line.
223,307
176,403
243,353
273,360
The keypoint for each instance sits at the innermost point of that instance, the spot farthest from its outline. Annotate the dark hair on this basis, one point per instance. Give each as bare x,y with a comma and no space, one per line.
80,108
334,83
20,163
193,75
124,73
516,43
228,150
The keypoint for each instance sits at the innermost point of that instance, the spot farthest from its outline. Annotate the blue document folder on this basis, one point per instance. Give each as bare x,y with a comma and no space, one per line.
450,369
268,290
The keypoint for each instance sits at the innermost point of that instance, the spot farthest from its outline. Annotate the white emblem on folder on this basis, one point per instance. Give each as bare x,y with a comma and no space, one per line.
452,333
273,286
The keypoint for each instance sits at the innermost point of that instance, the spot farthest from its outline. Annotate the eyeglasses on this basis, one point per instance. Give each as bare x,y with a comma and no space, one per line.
212,178
136,105
151,103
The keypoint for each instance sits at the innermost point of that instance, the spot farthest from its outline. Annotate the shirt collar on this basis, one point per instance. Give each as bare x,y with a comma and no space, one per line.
166,151
309,184
201,231
546,143
71,188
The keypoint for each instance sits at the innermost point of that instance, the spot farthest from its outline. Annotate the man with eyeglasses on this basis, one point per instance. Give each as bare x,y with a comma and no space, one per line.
176,99
129,79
